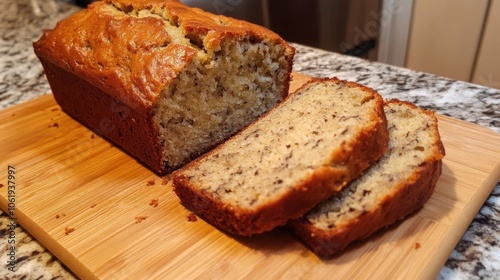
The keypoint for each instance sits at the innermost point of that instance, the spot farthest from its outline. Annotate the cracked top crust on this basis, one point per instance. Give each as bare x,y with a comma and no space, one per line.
134,49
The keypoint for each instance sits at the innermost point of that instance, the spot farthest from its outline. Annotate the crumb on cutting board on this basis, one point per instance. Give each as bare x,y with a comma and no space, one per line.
417,246
56,125
154,202
139,219
191,217
59,216
1,185
68,230
93,205
150,183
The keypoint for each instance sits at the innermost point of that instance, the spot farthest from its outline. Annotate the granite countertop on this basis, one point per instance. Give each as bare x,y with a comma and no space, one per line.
21,79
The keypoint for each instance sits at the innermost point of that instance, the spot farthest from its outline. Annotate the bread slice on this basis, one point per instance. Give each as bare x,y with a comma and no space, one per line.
300,153
398,184
163,81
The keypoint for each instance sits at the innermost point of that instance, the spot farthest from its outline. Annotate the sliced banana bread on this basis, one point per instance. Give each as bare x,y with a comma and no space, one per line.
398,184
164,81
295,156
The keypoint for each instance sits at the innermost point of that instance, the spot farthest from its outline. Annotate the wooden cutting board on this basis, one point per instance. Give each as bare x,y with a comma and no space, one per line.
106,216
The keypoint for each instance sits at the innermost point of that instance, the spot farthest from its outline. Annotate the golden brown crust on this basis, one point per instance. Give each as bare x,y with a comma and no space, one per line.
321,184
127,57
133,58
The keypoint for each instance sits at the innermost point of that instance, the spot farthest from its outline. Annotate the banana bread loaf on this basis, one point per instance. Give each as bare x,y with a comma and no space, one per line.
398,184
163,81
295,156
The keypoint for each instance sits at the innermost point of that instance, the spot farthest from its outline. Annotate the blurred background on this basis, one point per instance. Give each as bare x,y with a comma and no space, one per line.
451,38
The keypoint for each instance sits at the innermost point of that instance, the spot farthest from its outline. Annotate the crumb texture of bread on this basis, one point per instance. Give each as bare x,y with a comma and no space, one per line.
297,155
172,81
397,185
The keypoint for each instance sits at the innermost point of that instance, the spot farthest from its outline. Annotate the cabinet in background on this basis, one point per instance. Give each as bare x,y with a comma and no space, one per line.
445,35
487,68
456,39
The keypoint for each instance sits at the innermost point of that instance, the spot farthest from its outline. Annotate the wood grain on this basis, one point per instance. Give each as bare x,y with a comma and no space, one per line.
93,206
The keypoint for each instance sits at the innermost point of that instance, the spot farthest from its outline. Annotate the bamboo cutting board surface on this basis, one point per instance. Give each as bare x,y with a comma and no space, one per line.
106,216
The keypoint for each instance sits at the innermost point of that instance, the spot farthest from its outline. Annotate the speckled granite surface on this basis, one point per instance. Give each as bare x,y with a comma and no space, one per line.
477,256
